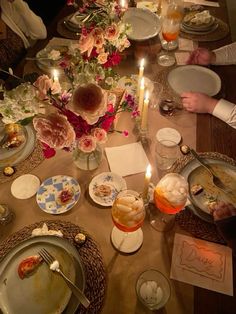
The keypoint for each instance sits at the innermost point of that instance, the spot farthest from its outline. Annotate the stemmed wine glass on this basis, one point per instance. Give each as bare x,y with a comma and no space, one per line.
128,213
170,196
170,31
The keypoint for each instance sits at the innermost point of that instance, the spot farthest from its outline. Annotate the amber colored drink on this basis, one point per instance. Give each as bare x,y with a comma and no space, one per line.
170,36
128,211
170,194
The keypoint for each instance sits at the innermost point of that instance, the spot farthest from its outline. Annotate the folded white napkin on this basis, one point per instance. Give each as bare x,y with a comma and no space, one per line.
127,159
203,17
45,231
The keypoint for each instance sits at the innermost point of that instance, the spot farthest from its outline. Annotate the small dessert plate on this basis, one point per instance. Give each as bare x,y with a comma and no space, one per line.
168,134
25,186
47,195
104,187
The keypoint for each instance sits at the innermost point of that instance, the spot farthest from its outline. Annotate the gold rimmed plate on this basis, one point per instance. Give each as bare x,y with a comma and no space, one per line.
43,291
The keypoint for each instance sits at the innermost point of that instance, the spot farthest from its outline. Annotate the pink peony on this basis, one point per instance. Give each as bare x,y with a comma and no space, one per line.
54,130
100,135
87,143
43,84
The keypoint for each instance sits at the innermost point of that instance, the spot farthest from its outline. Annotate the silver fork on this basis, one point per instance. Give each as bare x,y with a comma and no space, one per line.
216,180
54,266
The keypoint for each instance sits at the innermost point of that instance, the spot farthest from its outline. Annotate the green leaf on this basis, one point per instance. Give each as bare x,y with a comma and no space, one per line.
26,121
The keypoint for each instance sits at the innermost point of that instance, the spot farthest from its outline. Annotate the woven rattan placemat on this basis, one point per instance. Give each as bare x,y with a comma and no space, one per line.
186,218
220,32
89,253
197,227
32,161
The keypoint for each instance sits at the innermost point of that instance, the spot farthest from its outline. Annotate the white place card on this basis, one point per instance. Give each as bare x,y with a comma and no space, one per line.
203,264
187,44
181,57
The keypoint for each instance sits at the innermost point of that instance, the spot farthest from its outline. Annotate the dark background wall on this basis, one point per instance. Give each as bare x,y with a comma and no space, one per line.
46,9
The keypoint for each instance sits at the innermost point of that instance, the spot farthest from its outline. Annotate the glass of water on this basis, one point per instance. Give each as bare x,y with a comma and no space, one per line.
166,153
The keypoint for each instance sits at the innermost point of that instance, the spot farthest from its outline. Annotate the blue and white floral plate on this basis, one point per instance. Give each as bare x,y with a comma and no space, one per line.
111,179
48,192
130,83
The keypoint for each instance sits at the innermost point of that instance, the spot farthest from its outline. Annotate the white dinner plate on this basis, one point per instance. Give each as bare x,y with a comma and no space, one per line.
194,78
43,291
111,179
144,24
13,157
47,195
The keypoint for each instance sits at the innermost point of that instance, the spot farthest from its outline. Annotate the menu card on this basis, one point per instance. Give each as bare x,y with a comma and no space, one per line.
203,264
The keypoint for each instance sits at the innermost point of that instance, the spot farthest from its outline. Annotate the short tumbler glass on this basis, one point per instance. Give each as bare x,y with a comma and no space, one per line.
153,289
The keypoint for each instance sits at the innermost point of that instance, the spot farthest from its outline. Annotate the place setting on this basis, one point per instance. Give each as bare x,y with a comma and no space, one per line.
198,24
71,249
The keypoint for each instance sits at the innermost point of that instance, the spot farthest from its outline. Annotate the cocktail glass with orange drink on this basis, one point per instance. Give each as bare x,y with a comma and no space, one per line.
170,32
128,213
170,196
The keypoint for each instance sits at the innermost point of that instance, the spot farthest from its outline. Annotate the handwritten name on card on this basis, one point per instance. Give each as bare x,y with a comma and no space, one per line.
203,261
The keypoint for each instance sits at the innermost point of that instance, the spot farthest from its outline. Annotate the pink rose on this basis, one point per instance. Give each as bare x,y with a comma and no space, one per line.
100,135
43,84
87,143
112,32
54,130
86,43
70,2
56,88
102,57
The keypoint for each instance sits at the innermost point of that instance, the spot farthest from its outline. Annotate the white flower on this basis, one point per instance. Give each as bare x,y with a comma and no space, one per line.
54,54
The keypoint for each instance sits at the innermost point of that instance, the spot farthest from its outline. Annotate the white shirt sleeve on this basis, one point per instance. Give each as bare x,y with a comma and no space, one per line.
31,24
225,55
225,111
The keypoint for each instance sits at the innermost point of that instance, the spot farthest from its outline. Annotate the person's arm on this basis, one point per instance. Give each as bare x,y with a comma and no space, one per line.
29,23
221,56
201,103
225,55
225,111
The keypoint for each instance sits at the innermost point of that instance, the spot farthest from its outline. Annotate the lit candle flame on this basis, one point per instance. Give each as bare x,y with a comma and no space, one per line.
55,75
142,63
149,171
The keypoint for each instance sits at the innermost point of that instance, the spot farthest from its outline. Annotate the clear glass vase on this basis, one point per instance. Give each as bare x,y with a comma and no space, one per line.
88,161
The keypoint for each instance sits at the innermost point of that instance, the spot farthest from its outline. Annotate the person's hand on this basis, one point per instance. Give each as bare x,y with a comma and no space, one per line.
201,56
198,102
222,210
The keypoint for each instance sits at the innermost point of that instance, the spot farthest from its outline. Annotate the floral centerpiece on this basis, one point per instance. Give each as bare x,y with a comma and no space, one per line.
103,39
78,118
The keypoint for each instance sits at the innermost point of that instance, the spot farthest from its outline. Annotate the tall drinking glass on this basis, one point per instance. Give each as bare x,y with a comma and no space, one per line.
170,32
128,213
170,196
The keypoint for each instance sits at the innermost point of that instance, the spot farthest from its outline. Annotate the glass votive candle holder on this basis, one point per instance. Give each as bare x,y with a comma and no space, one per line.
153,289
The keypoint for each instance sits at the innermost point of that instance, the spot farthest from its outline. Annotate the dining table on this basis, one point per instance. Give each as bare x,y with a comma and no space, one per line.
203,132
